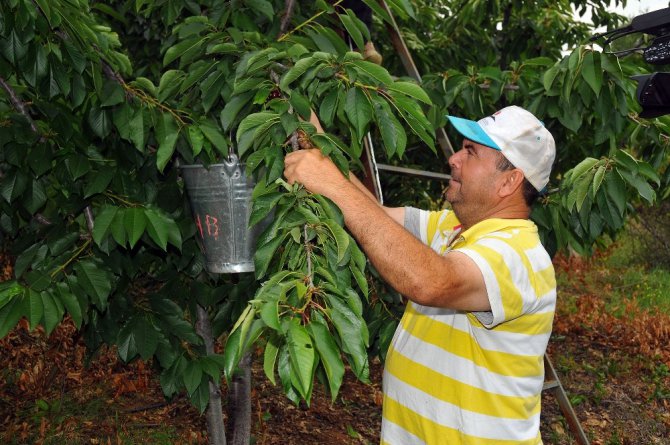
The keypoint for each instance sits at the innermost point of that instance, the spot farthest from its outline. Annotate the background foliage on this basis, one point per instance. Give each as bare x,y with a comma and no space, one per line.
102,101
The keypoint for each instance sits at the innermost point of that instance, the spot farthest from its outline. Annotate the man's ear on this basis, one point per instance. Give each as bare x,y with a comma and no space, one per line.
511,182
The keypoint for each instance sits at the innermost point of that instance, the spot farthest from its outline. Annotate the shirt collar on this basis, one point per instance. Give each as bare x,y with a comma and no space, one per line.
488,226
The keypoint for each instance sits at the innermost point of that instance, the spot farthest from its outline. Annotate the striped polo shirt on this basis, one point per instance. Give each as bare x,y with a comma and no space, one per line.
454,377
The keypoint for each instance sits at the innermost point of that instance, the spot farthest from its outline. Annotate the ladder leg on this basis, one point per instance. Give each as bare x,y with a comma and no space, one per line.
555,385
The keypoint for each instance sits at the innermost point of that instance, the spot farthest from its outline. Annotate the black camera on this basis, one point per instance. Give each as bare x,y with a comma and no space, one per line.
653,90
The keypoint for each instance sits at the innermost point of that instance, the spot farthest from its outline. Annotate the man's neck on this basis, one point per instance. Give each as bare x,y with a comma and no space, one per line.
468,219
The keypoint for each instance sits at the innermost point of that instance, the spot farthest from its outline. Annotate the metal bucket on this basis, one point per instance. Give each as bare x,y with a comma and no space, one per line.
220,197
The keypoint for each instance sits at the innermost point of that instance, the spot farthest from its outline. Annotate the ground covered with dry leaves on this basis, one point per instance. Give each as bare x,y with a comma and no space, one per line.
613,363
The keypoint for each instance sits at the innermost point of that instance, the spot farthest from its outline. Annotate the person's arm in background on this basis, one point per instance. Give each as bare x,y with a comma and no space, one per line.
396,213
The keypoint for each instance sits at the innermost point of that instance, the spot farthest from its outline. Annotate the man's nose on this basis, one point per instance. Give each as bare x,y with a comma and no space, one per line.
455,159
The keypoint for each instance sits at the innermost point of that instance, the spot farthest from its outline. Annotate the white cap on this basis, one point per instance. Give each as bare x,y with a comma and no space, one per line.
520,136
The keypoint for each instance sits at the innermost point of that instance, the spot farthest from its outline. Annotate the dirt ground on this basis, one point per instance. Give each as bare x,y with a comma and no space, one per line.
614,369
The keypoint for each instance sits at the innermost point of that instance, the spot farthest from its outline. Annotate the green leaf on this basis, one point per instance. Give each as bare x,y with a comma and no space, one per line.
8,291
158,227
549,76
262,206
598,178
352,30
100,122
35,308
137,130
13,185
270,358
582,168
182,48
393,135
626,160
616,191
38,280
353,334
200,397
13,48
99,180
301,356
146,338
402,7
591,72
167,133
330,209
341,238
103,221
126,341
53,313
642,186
231,354
213,133
270,314
35,197
78,166
300,104
169,84
412,90
11,313
262,6
196,139
232,109
145,84
375,71
255,120
581,188
70,302
112,94
25,259
358,110
134,222
328,107
192,376
264,255
330,356
296,71
95,281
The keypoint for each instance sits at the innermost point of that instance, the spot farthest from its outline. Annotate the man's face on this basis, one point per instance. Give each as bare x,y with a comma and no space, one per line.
472,188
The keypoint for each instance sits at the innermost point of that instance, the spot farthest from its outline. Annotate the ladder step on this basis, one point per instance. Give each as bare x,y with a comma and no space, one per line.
550,384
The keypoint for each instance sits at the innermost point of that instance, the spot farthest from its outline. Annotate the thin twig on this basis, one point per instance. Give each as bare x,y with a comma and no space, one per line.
20,106
307,22
88,214
286,19
308,249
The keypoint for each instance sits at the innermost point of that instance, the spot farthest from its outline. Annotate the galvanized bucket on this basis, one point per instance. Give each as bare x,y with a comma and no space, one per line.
220,197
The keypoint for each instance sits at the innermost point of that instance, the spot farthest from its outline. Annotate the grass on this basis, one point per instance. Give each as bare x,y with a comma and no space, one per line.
622,272
50,421
610,342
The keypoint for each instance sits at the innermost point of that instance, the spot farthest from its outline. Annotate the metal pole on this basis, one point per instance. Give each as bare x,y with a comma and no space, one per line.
410,67
554,384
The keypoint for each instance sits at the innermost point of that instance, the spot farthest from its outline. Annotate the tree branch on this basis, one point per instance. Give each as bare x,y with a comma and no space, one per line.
286,19
19,106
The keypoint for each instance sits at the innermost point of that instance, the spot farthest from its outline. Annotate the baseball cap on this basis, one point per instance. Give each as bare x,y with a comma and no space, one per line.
519,136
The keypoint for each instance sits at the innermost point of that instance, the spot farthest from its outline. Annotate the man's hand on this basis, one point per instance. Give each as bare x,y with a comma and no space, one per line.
313,170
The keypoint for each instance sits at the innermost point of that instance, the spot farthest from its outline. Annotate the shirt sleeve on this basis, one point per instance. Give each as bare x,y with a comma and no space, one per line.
506,279
412,221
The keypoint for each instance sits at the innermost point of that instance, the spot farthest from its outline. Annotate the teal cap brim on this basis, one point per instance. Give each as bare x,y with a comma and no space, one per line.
473,131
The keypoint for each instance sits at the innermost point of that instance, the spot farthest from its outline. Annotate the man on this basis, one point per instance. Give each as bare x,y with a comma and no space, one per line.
465,365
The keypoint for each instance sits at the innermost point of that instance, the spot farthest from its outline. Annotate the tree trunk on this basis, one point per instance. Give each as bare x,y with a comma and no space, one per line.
215,426
240,402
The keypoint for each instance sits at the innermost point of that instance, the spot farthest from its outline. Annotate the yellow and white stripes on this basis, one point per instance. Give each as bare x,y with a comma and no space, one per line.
474,378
